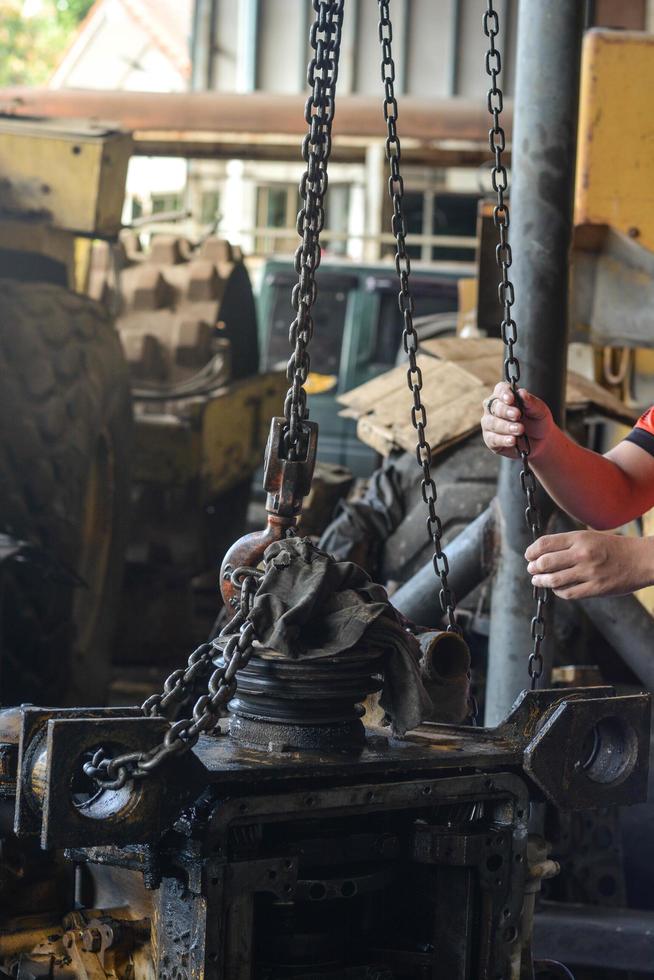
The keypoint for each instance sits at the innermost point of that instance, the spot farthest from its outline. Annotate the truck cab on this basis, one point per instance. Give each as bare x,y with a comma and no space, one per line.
358,335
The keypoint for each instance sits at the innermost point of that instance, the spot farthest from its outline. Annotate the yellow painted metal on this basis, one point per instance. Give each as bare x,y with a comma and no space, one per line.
235,429
468,292
218,443
615,157
40,239
69,175
320,384
83,252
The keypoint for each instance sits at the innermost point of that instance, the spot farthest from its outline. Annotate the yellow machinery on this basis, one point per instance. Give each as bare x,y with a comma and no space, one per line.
612,264
614,184
613,251
186,372
613,258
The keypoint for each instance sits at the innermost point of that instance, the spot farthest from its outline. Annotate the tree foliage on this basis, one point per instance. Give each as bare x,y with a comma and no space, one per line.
33,36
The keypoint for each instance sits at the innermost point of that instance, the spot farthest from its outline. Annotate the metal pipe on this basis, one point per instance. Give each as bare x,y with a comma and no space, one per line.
470,557
545,131
258,113
629,628
248,43
454,37
202,44
621,619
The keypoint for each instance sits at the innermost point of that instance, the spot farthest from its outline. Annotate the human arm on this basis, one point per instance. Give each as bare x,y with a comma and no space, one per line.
601,491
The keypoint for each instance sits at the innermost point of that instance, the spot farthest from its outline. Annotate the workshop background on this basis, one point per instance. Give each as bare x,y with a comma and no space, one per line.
245,823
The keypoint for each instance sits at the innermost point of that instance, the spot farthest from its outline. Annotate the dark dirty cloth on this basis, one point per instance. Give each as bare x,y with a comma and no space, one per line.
309,605
361,527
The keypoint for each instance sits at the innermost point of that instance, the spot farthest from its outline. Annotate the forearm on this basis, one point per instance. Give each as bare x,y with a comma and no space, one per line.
601,491
588,486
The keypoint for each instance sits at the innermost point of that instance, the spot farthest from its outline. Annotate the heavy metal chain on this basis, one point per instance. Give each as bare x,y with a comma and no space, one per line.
407,308
325,39
506,293
113,772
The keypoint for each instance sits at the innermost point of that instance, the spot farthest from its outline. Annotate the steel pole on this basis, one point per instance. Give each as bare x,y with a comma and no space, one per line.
202,44
470,555
544,148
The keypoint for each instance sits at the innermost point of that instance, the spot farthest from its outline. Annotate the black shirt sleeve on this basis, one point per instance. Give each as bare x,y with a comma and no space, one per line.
643,438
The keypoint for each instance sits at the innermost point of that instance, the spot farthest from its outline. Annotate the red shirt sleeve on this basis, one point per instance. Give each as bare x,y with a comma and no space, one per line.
642,433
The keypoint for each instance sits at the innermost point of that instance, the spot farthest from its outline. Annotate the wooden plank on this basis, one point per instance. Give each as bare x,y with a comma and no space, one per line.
462,348
458,373
483,357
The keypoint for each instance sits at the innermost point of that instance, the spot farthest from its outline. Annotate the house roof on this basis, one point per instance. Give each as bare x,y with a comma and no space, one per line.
167,24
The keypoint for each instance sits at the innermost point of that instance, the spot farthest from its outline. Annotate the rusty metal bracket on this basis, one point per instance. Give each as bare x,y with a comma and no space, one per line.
107,815
286,482
592,752
56,801
31,757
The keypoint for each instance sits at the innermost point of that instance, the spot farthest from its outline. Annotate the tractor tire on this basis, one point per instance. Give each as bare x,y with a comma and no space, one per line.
65,448
466,480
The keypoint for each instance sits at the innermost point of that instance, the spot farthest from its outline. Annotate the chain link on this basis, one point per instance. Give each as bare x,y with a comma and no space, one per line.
325,39
114,772
407,309
506,295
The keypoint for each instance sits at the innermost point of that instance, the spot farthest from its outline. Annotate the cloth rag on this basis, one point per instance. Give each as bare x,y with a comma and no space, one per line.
310,606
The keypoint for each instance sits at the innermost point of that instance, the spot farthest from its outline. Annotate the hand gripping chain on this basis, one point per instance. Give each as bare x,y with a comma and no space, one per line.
509,329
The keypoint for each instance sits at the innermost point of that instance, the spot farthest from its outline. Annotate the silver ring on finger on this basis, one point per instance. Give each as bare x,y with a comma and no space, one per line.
489,406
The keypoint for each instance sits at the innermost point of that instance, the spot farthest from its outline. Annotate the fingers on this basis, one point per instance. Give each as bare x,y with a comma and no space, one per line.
559,562
503,410
500,435
497,443
556,581
503,427
550,542
501,444
504,393
554,561
501,421
570,587
534,408
504,403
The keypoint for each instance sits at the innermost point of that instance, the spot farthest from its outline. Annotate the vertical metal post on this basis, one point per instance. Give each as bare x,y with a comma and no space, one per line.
303,51
543,169
202,44
376,200
402,31
248,46
453,62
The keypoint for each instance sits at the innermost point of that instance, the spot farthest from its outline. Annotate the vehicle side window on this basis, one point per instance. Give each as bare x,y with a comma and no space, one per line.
430,298
329,324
